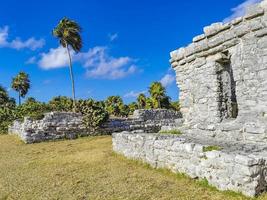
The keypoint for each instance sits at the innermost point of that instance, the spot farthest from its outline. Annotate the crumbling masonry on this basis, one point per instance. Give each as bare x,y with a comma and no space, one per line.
222,78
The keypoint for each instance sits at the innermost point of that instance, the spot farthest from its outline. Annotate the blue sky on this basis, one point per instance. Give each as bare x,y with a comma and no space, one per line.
126,43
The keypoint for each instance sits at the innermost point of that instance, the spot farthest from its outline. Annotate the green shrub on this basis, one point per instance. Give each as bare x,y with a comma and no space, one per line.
7,116
211,148
172,132
7,113
33,109
61,104
94,115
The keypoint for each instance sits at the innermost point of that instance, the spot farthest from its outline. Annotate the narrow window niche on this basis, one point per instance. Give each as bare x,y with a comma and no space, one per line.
227,102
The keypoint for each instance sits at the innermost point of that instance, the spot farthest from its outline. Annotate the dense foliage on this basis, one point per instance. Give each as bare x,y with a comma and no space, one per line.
7,107
61,104
31,108
95,112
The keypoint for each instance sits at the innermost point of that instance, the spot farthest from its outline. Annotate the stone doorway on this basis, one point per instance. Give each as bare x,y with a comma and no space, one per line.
227,101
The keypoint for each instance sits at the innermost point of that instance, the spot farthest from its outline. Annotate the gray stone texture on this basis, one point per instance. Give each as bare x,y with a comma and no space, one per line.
238,166
222,78
64,125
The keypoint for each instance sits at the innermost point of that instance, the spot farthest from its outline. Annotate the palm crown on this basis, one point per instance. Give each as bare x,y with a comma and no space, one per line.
157,92
21,84
141,101
68,33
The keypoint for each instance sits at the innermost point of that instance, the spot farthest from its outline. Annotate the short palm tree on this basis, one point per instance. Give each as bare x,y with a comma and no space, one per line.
113,105
68,33
21,84
141,99
157,93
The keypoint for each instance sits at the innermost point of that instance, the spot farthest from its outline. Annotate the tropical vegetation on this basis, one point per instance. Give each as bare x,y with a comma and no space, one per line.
68,32
21,84
95,112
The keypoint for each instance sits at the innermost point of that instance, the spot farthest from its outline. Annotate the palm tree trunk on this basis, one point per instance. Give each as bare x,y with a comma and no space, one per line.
19,99
72,79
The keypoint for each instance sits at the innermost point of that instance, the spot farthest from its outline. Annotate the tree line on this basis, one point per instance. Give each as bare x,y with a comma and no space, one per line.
68,32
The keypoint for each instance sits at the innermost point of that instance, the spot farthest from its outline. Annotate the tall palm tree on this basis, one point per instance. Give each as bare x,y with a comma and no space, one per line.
141,99
157,93
21,84
68,33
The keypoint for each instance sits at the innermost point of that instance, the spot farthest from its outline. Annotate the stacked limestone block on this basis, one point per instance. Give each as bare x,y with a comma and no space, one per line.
61,125
222,78
54,125
237,166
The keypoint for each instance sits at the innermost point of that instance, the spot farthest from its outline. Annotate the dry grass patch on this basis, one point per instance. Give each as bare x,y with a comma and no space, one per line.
86,168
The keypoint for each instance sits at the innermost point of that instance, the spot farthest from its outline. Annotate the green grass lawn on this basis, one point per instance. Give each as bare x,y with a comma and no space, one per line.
86,168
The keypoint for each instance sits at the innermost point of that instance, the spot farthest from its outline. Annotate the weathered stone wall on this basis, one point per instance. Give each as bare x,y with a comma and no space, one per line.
237,166
222,77
54,125
60,125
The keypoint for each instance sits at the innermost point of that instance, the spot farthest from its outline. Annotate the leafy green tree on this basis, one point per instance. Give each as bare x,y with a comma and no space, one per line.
68,33
132,107
175,105
94,115
32,108
166,102
124,110
21,84
61,103
157,93
141,100
149,103
113,105
5,100
7,110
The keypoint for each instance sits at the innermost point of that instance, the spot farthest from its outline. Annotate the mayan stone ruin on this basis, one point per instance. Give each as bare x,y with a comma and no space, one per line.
67,125
222,78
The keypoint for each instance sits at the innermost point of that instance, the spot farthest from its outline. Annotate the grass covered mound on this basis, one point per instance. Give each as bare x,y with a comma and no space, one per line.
86,168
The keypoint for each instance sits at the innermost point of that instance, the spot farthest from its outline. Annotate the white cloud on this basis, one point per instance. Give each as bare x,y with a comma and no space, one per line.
17,43
133,94
101,65
97,61
55,58
31,60
167,80
3,36
240,10
113,37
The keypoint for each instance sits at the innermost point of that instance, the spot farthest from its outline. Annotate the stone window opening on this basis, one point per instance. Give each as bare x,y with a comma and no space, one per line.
227,101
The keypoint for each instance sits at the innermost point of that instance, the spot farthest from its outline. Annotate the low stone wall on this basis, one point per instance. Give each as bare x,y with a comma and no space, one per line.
241,167
149,121
54,125
61,125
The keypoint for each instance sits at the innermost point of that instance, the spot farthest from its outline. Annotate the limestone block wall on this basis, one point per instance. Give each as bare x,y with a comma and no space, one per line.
222,77
237,166
61,125
54,125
